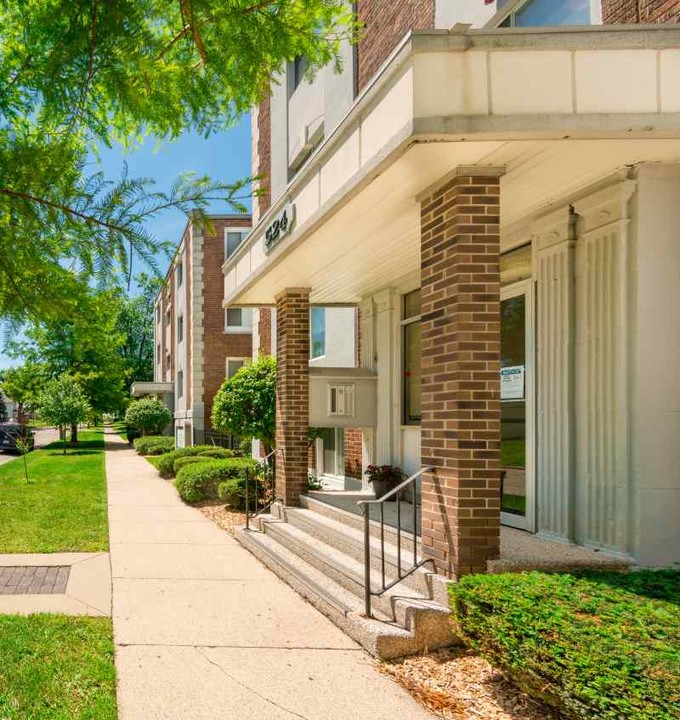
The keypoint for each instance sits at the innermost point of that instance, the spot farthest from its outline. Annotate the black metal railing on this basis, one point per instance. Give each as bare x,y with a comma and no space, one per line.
263,482
365,506
211,437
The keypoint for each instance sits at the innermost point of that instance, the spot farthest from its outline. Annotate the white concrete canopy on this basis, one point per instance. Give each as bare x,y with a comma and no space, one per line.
559,109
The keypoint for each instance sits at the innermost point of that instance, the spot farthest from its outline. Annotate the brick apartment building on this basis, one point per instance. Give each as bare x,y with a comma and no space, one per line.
197,342
490,190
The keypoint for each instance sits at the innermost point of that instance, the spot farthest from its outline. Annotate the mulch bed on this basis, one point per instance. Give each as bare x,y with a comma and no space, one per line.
456,684
222,516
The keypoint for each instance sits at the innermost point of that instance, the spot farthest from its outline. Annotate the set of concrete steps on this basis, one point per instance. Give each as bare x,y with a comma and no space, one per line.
318,550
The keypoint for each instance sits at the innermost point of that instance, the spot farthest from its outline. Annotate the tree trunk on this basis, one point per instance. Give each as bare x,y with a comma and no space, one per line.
74,433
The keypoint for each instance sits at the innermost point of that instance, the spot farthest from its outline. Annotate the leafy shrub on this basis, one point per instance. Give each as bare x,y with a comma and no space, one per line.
166,462
154,444
199,481
188,460
149,415
218,453
598,646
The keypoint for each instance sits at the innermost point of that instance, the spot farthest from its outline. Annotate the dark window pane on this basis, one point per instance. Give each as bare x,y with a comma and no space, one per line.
539,13
412,374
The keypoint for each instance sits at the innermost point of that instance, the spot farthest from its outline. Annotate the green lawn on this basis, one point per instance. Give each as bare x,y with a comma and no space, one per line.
63,507
54,667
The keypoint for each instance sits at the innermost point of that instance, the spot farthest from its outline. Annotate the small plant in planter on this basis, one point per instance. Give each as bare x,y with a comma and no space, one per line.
384,478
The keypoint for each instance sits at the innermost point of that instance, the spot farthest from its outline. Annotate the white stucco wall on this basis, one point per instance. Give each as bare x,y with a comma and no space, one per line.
340,339
656,392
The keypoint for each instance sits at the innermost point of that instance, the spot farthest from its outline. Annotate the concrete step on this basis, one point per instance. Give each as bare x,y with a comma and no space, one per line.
403,605
314,501
350,541
379,636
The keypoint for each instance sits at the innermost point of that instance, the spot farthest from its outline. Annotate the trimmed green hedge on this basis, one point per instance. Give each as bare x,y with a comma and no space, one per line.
199,481
166,463
218,453
188,460
154,444
597,646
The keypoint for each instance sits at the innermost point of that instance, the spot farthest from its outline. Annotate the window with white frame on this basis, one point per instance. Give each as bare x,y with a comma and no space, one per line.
410,322
233,237
180,328
158,314
158,354
238,320
168,362
317,332
546,13
234,365
180,274
180,383
168,317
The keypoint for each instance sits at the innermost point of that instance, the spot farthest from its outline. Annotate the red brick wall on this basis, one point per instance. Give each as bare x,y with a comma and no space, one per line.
264,150
640,11
460,429
265,331
187,281
217,344
353,452
292,393
385,24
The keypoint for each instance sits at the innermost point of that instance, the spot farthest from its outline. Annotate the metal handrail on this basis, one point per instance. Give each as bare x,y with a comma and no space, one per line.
364,506
264,462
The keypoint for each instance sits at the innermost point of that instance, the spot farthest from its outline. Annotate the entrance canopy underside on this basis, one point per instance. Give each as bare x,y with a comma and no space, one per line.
373,240
556,109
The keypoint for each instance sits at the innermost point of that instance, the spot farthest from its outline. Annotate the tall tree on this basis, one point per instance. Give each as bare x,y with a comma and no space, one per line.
76,74
22,385
85,347
63,403
135,326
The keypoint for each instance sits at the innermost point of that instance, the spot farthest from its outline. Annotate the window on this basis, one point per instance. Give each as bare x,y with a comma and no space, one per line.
238,320
545,13
168,362
317,332
180,328
234,365
158,314
168,317
299,68
516,265
158,354
411,356
233,240
180,274
180,383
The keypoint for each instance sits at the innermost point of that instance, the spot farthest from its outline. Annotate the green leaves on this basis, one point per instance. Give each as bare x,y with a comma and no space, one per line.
63,402
245,405
78,73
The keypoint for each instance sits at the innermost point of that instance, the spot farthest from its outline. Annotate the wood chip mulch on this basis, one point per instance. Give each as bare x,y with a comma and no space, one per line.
456,684
222,516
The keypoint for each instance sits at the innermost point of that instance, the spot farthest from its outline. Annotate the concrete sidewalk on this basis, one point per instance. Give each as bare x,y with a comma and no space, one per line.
203,631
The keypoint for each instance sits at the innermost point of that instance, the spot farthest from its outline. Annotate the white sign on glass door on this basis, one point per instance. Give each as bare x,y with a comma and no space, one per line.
512,382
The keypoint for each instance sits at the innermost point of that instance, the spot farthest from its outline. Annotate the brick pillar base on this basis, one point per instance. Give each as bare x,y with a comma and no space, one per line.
292,393
460,279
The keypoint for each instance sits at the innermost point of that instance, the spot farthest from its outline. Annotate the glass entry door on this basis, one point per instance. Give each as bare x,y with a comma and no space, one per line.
517,406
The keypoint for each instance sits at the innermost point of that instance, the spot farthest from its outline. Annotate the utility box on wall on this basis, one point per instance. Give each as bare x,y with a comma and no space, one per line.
342,397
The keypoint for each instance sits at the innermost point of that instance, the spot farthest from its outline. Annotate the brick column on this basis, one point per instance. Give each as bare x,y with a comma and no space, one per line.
292,393
460,279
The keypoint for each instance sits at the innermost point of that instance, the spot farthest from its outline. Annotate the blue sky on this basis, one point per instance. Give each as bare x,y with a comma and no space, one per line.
224,156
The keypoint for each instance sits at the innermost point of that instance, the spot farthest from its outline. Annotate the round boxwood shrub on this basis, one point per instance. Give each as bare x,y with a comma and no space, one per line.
199,481
188,460
218,453
149,415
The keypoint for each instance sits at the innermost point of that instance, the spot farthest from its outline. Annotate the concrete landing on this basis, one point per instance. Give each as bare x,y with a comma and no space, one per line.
204,631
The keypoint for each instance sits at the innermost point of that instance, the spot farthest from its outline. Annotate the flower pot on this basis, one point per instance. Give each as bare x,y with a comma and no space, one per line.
380,488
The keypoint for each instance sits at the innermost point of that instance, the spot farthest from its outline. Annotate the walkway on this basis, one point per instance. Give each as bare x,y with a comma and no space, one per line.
203,631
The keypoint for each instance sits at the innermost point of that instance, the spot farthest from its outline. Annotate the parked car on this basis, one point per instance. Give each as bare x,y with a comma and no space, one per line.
11,432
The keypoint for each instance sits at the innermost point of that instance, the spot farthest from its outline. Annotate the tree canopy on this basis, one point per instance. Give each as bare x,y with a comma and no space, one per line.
78,74
63,403
149,415
246,403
